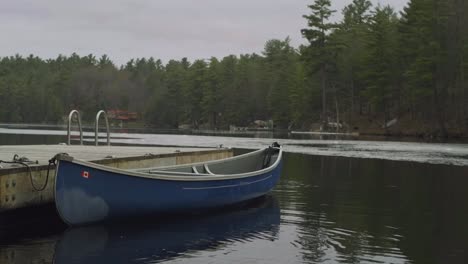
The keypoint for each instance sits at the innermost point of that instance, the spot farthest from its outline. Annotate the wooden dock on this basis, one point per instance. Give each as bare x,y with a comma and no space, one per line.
17,191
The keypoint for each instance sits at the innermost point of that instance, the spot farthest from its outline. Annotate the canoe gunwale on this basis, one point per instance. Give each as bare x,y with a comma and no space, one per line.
181,176
210,162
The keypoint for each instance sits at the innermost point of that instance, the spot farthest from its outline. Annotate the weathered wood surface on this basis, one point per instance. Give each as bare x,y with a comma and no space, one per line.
43,153
16,190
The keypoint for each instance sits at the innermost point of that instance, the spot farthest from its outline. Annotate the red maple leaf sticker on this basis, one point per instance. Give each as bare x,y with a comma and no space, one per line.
85,174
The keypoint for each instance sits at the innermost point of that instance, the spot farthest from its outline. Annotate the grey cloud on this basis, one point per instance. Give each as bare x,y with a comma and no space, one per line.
124,29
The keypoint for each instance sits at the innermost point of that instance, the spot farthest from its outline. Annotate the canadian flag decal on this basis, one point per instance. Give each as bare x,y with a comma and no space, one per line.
85,174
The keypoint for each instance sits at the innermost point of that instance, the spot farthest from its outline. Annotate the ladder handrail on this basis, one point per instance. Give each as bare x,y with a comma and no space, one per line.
70,116
96,128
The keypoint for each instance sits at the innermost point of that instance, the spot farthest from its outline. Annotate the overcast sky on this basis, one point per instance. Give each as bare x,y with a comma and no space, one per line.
125,29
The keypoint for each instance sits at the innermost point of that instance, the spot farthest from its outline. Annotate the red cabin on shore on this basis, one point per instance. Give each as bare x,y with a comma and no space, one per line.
122,115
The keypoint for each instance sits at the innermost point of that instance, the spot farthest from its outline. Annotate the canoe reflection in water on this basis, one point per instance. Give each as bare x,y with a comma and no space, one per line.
161,240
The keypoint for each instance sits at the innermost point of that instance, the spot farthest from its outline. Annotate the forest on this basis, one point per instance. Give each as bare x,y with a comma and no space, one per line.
376,71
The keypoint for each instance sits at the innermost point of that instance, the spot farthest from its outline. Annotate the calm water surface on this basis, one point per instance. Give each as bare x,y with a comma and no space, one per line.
326,209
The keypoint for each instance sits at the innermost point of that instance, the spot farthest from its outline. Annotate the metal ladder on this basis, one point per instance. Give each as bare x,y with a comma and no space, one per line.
96,127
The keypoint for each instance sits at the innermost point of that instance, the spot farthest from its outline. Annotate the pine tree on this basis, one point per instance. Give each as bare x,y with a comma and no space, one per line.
424,31
197,82
318,55
351,38
381,64
280,60
211,93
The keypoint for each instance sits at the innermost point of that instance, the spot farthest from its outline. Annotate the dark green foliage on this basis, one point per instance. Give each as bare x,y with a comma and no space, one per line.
319,54
373,65
380,66
215,94
381,71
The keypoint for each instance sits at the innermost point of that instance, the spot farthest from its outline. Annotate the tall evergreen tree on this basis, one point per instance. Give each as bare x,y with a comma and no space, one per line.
211,94
197,82
382,63
424,28
280,59
351,39
318,55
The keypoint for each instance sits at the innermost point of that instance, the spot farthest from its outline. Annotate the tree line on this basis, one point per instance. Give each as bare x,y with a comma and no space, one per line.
374,66
377,64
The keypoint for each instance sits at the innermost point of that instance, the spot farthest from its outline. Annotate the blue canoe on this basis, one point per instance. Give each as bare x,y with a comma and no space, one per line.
87,192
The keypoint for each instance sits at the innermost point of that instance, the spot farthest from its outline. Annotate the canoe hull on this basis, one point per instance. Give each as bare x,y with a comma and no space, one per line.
86,194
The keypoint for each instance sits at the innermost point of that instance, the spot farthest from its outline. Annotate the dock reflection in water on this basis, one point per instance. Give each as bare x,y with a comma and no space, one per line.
29,236
153,240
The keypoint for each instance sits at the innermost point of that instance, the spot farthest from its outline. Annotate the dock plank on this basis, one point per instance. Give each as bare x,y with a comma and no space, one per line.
42,153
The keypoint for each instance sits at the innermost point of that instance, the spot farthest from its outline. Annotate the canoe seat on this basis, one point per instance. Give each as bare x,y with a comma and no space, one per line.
207,170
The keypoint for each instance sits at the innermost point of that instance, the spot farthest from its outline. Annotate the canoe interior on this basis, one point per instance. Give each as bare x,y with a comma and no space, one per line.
250,162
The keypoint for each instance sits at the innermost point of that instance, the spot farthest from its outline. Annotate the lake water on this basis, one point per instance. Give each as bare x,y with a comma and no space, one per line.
337,202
